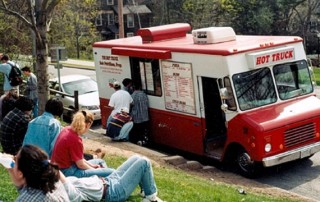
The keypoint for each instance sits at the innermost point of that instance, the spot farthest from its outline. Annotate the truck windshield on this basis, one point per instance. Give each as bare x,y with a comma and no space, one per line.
254,88
292,79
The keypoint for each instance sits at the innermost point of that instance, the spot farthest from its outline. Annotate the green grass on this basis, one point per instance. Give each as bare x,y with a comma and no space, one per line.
316,72
173,186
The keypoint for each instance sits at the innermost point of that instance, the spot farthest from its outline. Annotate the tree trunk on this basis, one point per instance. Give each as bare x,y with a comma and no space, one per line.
42,67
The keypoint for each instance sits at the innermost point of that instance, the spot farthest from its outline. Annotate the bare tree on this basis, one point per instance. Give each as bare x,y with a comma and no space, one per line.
37,15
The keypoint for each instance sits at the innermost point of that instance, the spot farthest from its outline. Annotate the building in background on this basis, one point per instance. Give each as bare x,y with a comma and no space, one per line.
135,16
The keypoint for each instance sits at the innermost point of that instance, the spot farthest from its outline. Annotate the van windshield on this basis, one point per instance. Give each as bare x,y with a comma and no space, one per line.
254,88
292,79
83,86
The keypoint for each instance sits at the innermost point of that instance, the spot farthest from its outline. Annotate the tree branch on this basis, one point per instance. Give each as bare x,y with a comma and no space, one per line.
5,8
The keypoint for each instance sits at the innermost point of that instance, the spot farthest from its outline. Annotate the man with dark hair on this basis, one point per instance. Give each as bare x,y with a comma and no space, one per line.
5,68
43,130
8,102
140,115
127,85
32,88
14,125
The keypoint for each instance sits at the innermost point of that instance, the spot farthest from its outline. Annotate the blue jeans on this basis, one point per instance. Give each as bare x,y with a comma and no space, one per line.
137,170
101,172
108,120
124,132
35,107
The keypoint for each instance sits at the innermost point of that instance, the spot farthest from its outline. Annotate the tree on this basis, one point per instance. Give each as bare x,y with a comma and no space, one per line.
202,13
74,27
37,16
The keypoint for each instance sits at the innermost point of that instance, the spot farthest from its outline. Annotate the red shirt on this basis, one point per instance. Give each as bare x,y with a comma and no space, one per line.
68,148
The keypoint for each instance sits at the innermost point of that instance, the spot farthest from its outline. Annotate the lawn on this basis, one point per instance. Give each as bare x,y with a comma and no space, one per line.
174,186
316,72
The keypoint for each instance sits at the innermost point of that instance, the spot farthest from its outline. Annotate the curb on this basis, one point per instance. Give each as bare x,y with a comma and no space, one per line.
179,162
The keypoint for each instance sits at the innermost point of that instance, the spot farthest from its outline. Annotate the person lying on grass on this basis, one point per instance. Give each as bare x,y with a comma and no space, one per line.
37,179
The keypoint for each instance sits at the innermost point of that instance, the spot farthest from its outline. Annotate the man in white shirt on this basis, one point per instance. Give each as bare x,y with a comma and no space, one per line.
119,99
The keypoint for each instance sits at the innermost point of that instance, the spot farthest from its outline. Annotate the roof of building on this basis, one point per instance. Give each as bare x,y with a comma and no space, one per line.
129,9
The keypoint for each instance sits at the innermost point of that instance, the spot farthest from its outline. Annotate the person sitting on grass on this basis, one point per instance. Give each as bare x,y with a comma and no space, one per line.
118,186
34,176
15,124
43,130
39,180
68,150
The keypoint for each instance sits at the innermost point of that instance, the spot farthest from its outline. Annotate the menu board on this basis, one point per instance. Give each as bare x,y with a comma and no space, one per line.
178,86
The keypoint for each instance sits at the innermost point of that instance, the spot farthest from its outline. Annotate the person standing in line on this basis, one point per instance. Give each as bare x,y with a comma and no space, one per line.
120,125
32,88
14,125
8,102
127,85
35,178
118,99
43,130
68,150
140,115
5,68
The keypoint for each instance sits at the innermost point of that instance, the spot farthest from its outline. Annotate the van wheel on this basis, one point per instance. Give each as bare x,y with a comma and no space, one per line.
247,167
67,117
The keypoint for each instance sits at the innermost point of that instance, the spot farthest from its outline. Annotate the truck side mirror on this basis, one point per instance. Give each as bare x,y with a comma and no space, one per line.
224,107
224,93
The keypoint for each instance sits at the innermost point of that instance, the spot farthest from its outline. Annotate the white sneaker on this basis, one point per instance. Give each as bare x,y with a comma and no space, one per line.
154,199
142,194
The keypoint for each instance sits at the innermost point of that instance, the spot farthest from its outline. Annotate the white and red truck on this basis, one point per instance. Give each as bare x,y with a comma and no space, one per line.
249,99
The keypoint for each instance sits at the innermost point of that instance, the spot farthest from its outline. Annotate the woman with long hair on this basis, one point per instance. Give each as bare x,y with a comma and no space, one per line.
68,150
35,177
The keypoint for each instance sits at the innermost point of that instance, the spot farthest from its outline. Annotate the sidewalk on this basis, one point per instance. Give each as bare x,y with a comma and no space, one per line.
82,64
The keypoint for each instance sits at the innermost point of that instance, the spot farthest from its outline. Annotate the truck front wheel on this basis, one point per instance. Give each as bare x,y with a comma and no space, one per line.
247,167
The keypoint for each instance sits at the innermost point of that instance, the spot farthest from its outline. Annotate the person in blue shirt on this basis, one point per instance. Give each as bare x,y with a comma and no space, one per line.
32,88
5,68
43,130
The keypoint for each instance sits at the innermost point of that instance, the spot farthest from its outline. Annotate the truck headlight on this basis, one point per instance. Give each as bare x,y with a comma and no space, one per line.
267,147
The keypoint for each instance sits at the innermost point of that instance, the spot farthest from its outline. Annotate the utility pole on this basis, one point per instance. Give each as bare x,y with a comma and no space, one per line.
120,18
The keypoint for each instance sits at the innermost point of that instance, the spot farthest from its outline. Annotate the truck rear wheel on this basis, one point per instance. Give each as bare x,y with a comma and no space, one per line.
246,166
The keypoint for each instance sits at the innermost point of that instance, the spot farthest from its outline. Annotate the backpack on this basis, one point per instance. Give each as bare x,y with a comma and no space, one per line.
15,76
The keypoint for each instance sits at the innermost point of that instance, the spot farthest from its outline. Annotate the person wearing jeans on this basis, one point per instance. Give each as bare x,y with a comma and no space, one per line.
118,186
135,171
68,150
120,125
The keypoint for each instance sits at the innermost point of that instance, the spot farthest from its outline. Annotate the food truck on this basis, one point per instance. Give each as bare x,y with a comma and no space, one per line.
236,98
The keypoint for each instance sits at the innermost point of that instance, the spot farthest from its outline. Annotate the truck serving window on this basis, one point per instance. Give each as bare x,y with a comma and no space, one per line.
254,88
148,73
292,79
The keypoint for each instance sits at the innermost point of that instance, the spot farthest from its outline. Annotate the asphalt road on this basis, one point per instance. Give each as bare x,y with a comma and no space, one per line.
301,177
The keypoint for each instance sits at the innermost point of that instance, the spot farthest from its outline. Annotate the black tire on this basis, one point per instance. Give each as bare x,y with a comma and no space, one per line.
246,166
67,117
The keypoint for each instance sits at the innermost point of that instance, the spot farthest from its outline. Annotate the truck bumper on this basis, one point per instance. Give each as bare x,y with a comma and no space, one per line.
291,155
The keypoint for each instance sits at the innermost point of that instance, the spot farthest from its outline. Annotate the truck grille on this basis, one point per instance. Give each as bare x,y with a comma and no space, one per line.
298,135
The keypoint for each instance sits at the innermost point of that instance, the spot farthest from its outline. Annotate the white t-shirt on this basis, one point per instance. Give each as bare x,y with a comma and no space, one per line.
119,99
84,189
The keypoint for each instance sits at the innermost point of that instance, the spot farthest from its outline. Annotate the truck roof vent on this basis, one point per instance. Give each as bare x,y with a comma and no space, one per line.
213,35
164,32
